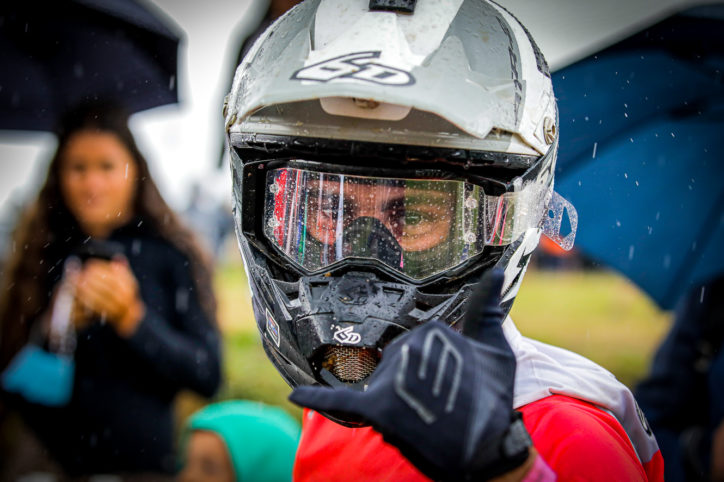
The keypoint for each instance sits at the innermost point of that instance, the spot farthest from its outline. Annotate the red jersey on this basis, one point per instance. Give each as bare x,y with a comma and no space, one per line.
576,439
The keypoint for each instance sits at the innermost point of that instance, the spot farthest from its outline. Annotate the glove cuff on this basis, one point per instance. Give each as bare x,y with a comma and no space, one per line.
503,454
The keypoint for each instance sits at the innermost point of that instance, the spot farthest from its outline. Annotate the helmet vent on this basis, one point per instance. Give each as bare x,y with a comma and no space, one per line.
403,6
349,364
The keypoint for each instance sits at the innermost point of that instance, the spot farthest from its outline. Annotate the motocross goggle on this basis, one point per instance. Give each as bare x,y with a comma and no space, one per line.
417,226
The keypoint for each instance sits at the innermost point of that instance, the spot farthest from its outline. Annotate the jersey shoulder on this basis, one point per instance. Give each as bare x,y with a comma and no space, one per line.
579,441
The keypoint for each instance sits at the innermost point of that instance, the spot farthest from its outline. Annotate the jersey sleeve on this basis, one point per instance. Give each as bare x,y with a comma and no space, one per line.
582,442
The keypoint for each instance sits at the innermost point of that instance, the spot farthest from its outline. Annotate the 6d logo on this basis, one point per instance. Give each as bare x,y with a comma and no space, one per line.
358,66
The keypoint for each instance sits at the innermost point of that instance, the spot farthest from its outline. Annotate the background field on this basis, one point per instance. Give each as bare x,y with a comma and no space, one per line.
595,313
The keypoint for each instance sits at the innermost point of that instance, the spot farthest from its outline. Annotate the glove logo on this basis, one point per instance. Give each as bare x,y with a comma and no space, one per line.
357,66
347,336
448,366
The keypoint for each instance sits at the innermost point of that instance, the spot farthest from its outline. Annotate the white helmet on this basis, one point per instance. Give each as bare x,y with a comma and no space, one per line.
385,155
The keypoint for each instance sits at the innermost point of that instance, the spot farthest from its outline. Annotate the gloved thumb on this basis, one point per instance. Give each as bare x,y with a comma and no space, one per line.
324,399
484,317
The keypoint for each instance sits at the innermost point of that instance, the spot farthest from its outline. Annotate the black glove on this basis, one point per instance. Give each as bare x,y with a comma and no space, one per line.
444,399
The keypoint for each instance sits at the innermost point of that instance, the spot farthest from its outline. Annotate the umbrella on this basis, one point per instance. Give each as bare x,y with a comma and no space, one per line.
57,54
642,136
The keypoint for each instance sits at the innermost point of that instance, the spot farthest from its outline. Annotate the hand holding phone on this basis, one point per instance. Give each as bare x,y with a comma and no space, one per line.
107,287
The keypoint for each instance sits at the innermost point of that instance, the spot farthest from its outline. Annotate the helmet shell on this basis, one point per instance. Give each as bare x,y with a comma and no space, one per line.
459,73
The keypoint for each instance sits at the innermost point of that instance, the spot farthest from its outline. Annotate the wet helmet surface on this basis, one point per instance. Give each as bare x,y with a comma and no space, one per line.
382,161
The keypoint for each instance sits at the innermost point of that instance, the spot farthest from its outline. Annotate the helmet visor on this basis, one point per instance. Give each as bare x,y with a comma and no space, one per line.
417,227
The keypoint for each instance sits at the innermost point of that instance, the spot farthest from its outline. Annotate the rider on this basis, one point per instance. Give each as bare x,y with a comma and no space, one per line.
387,156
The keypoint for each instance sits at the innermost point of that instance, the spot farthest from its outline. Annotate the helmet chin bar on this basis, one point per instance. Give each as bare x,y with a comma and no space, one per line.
358,308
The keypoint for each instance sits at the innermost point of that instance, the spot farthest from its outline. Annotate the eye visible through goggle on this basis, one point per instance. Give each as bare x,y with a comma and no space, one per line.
418,227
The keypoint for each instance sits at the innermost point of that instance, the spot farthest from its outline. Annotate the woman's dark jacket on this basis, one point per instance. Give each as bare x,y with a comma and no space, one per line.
120,416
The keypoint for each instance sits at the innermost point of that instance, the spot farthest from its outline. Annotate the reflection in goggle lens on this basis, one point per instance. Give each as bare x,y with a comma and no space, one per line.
417,227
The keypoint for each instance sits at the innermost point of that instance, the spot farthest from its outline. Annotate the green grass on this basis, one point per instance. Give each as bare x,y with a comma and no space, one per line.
597,314
250,375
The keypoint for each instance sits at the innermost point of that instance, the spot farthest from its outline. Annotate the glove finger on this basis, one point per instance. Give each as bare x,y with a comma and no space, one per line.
484,315
329,399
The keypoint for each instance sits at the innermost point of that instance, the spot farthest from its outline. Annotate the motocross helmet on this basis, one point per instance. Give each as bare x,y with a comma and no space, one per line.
384,156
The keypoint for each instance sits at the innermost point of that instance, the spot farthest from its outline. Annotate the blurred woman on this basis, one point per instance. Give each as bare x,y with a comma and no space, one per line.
145,318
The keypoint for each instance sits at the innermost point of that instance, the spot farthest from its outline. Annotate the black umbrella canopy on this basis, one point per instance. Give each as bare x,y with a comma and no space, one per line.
57,54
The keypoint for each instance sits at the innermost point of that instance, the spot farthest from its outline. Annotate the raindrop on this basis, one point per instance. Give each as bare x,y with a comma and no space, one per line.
200,356
631,139
630,252
171,82
672,135
701,294
618,223
625,115
658,215
650,229
182,300
667,261
126,175
637,183
593,156
625,175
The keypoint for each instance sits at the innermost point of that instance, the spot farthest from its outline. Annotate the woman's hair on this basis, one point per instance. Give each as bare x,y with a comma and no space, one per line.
47,232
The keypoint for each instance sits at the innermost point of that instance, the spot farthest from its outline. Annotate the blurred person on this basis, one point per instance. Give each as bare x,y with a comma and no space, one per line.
392,167
239,440
144,314
683,395
209,218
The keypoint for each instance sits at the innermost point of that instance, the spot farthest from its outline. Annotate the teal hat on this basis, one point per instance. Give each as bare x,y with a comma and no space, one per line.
262,440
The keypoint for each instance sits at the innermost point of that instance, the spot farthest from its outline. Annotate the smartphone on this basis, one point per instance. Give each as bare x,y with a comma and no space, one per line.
99,249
